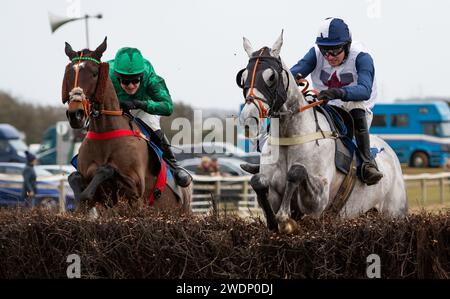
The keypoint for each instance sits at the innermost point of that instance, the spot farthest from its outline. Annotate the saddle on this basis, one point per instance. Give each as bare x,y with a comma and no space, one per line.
341,122
347,158
157,155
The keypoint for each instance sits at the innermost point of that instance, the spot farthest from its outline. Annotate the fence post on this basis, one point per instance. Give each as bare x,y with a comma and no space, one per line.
245,191
423,184
62,196
217,195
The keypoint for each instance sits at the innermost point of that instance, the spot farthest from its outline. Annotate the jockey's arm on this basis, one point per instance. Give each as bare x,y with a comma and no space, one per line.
366,74
306,65
157,96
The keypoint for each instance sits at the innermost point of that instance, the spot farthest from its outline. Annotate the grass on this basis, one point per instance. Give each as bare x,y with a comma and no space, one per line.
414,170
433,195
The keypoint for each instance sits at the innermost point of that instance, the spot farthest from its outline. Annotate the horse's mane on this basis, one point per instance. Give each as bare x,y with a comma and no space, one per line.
103,77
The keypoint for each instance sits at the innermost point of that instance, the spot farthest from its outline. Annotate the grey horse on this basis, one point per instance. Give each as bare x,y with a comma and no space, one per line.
300,178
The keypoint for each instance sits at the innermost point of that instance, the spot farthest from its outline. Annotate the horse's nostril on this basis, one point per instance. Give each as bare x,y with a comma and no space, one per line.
75,114
79,114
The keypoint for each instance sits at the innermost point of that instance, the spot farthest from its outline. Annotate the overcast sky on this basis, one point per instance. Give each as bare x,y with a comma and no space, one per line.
196,45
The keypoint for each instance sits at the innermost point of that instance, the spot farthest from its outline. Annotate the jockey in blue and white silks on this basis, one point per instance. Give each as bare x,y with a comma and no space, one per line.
344,73
355,76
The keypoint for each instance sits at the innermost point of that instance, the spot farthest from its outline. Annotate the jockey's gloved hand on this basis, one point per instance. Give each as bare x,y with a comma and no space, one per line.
140,104
127,105
331,94
299,77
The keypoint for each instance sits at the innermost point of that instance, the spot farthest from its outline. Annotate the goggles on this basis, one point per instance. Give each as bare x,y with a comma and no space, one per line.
128,81
331,51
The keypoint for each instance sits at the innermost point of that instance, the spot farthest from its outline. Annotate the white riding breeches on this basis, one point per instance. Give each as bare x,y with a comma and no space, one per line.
350,105
153,121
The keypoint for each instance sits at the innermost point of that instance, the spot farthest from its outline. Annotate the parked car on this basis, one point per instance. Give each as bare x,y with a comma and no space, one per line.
12,147
47,195
219,149
58,169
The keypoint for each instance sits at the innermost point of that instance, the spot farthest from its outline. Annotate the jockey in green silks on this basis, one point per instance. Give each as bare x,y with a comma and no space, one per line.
144,94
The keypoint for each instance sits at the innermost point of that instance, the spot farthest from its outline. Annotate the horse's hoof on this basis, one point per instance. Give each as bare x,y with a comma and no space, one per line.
288,227
93,214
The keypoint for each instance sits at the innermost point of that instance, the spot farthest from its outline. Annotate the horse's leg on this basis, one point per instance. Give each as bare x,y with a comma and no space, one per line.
312,188
261,186
102,174
77,184
295,176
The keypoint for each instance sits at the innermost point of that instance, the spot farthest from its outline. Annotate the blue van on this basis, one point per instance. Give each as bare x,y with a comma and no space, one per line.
12,147
418,132
70,142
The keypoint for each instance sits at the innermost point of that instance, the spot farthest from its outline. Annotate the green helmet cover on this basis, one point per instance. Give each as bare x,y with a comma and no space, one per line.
129,61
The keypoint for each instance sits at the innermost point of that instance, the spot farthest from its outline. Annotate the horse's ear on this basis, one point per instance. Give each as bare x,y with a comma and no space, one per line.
97,54
70,52
64,89
248,47
276,48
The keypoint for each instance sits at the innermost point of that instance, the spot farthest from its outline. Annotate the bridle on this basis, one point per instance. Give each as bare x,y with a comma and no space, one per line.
258,102
90,106
276,95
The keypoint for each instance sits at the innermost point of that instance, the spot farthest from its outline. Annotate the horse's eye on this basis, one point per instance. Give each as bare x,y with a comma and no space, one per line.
269,77
95,75
272,78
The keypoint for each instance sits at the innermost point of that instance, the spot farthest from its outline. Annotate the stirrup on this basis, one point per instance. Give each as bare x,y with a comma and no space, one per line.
182,177
374,178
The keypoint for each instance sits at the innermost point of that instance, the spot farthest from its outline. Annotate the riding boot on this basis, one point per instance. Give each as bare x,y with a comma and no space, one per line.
369,170
182,177
250,168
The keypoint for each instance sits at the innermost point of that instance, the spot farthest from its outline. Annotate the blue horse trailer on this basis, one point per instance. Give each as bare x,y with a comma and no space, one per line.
419,133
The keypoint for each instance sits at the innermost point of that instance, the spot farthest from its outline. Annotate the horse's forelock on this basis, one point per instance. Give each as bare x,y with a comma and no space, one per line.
266,51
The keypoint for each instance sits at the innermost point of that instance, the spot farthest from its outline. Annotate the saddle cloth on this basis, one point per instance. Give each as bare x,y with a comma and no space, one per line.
342,122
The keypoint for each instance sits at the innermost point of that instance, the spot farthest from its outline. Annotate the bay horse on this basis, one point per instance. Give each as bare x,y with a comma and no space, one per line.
113,159
302,179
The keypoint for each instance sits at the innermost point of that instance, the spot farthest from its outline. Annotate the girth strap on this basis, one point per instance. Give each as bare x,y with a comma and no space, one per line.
345,189
288,141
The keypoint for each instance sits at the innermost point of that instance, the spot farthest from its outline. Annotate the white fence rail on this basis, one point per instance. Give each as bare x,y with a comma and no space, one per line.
424,181
224,194
246,203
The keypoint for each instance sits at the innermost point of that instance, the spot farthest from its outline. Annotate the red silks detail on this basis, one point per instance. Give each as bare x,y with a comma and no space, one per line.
159,184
